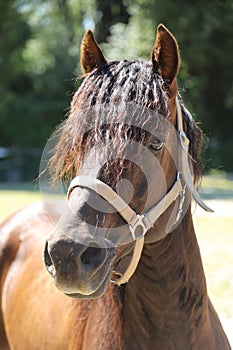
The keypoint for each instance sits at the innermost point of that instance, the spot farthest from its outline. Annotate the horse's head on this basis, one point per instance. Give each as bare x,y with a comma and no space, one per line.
121,146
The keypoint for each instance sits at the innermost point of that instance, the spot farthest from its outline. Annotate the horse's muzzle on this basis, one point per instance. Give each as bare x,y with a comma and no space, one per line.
78,269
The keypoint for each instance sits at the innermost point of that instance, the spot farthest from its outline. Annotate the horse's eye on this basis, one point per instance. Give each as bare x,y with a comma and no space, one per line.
157,144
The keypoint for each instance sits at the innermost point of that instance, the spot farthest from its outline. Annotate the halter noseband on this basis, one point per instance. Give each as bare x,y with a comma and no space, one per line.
139,224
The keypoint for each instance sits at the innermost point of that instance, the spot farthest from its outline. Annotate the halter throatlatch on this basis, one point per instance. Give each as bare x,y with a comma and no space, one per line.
139,224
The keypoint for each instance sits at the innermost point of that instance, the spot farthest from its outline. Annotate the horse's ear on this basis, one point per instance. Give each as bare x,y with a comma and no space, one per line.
165,54
91,54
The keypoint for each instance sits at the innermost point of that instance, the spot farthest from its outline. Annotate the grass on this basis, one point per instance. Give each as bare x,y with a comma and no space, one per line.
214,232
12,199
215,238
217,186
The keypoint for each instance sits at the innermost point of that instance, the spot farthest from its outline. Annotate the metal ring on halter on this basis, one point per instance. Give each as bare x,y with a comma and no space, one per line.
140,227
184,141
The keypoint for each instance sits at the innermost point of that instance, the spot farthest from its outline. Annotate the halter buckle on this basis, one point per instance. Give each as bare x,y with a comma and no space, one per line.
181,202
140,227
184,140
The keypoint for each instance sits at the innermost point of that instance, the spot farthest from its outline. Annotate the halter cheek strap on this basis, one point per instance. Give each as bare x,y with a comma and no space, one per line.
184,160
139,224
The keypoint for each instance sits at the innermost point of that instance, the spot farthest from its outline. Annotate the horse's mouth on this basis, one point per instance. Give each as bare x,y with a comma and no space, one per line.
99,291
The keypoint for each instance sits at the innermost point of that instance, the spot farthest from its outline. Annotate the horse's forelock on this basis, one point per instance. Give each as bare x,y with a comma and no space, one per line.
121,82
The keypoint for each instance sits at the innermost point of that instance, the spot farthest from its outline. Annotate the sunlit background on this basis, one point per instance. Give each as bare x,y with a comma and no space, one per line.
39,70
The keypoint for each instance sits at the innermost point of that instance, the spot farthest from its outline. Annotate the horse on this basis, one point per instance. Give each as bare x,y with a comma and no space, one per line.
124,270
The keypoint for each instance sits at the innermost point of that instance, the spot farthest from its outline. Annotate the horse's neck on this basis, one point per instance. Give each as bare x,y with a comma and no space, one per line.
166,300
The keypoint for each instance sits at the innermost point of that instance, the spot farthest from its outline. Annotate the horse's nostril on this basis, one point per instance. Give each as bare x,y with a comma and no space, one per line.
48,261
93,256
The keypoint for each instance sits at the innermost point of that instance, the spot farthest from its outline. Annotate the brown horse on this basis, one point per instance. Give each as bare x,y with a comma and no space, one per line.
127,266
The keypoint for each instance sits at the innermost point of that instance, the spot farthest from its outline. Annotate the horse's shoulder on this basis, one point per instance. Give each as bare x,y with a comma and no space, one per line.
26,225
12,228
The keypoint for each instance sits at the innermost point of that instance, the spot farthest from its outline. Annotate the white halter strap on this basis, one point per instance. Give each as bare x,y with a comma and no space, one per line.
139,224
184,166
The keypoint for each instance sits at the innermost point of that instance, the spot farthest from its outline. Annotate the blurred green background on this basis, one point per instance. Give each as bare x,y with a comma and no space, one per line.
39,66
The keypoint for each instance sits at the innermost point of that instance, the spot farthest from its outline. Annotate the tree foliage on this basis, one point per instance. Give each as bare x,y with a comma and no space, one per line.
204,30
39,60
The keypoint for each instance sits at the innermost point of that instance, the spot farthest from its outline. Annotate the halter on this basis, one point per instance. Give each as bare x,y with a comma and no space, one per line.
140,224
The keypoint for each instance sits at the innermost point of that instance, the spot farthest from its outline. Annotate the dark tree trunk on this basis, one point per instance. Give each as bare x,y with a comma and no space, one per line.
110,13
